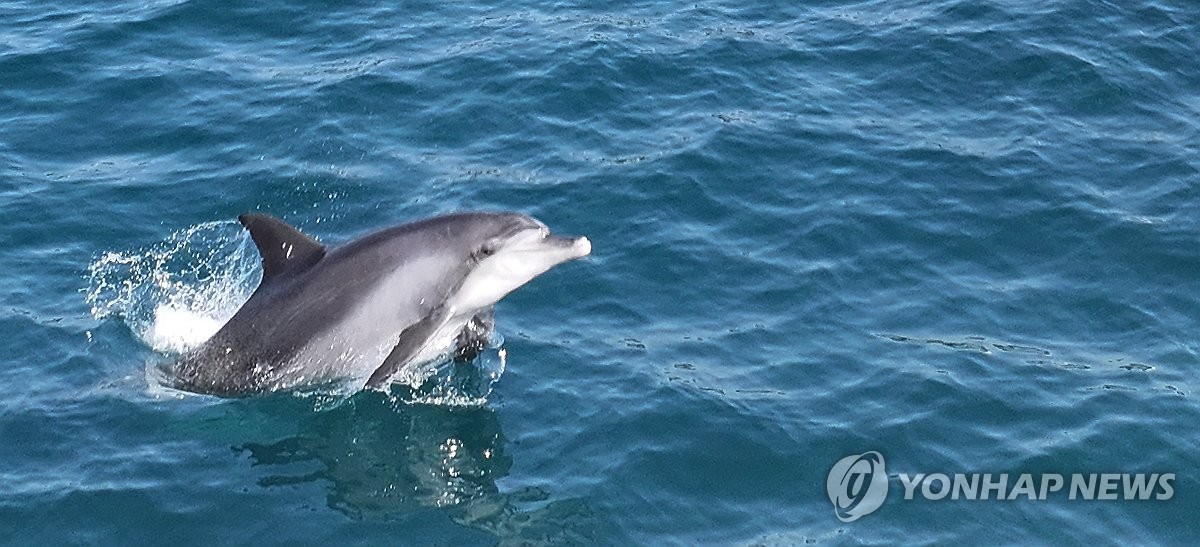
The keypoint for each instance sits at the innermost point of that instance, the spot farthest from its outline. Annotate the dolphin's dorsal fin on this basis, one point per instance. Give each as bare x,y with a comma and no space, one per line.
283,248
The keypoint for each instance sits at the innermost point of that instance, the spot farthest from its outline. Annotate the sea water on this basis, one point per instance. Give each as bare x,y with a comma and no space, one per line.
960,235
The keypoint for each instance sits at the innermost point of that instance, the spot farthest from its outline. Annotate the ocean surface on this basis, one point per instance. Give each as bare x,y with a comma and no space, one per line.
962,234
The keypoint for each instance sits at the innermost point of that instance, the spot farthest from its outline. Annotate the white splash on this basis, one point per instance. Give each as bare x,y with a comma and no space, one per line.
176,294
176,329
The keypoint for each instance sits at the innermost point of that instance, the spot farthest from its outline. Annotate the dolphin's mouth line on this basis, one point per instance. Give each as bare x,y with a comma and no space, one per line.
554,242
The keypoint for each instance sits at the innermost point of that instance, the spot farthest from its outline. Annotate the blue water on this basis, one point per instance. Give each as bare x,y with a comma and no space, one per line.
962,234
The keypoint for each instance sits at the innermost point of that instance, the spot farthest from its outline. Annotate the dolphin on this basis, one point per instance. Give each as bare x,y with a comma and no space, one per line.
372,310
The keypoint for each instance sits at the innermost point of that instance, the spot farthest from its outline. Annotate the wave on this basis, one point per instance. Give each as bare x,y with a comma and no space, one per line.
176,294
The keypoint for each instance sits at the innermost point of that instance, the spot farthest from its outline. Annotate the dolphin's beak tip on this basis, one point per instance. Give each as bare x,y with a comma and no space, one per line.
583,246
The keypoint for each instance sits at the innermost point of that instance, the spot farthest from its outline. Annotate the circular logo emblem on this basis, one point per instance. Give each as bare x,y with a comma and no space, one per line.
857,485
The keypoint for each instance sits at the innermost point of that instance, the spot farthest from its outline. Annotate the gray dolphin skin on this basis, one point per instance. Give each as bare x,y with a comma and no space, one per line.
372,310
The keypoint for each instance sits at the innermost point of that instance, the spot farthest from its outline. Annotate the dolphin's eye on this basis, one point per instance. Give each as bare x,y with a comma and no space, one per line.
487,250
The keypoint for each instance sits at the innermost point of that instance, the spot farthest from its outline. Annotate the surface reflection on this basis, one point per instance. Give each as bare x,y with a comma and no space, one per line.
384,457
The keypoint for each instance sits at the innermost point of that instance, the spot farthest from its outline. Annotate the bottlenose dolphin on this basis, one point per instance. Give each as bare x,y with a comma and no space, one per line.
372,309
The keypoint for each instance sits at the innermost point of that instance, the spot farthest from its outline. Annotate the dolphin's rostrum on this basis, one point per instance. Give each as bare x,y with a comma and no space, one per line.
372,309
